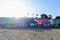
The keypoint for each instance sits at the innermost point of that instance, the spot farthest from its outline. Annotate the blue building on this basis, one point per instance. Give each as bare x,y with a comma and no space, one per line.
27,23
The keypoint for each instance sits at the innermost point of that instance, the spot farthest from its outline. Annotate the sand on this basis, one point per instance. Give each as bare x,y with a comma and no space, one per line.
52,34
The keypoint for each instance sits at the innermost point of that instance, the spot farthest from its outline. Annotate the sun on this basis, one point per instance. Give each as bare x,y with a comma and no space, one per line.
14,9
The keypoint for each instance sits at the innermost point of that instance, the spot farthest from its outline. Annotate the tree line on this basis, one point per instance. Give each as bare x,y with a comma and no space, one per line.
45,16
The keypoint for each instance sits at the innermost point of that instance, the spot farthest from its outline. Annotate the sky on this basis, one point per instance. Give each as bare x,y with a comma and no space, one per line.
20,8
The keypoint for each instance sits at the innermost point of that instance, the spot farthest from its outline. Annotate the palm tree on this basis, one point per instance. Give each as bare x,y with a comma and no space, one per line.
33,15
50,16
37,15
57,17
28,14
44,16
50,19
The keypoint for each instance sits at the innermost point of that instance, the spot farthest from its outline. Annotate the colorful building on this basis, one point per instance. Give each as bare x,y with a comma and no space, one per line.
56,23
44,23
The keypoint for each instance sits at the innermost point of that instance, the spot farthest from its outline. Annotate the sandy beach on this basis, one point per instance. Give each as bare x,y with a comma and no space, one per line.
53,34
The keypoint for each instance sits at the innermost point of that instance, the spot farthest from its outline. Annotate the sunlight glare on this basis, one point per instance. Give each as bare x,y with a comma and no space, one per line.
13,9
